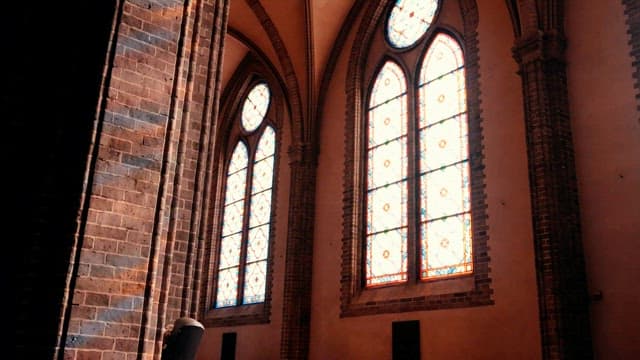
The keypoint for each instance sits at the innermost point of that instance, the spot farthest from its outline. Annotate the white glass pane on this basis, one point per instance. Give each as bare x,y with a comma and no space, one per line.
230,251
443,98
260,209
390,83
387,163
255,280
267,144
258,246
233,216
387,257
387,207
262,175
444,56
239,158
446,247
445,192
227,289
444,144
388,121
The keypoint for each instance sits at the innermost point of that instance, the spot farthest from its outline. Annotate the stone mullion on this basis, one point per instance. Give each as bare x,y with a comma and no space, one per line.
297,283
562,291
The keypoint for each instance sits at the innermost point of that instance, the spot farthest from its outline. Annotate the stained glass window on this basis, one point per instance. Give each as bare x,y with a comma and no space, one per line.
259,219
246,216
233,215
445,223
255,107
409,20
386,258
438,175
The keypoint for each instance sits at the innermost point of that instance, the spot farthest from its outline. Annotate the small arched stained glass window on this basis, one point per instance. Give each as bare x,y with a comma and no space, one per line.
255,107
409,20
245,234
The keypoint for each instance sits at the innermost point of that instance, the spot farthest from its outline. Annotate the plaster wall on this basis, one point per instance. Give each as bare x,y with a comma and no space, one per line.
606,133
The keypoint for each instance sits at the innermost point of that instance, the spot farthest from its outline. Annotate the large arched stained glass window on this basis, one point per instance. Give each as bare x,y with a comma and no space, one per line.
387,178
445,229
418,224
246,220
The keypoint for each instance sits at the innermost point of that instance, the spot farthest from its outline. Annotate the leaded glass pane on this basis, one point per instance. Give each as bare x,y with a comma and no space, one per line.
236,186
387,257
260,209
232,220
445,192
258,245
267,144
390,83
262,175
446,246
227,292
388,121
239,158
230,251
409,20
387,207
444,143
255,279
443,98
255,107
387,163
444,56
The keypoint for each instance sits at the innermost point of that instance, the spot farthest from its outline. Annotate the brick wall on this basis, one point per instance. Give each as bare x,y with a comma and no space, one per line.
632,10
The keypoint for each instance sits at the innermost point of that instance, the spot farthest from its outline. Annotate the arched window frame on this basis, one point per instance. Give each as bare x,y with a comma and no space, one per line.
230,132
470,289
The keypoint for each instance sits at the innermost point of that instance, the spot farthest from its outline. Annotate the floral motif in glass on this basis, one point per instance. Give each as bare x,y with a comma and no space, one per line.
409,20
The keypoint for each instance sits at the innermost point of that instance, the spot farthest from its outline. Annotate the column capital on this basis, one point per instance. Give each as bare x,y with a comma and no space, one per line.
540,46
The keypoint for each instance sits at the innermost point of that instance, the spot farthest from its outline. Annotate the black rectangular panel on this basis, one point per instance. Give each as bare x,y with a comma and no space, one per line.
405,340
228,351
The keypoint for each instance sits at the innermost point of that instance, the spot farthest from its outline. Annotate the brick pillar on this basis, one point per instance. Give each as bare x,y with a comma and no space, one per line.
632,11
297,283
128,280
562,288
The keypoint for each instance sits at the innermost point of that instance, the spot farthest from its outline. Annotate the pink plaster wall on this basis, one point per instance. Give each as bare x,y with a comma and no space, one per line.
606,133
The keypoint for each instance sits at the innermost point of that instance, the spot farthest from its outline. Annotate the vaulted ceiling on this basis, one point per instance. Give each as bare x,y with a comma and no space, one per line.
294,35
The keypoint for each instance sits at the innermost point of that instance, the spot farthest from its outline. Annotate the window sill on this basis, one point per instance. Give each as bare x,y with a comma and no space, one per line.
237,315
429,295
